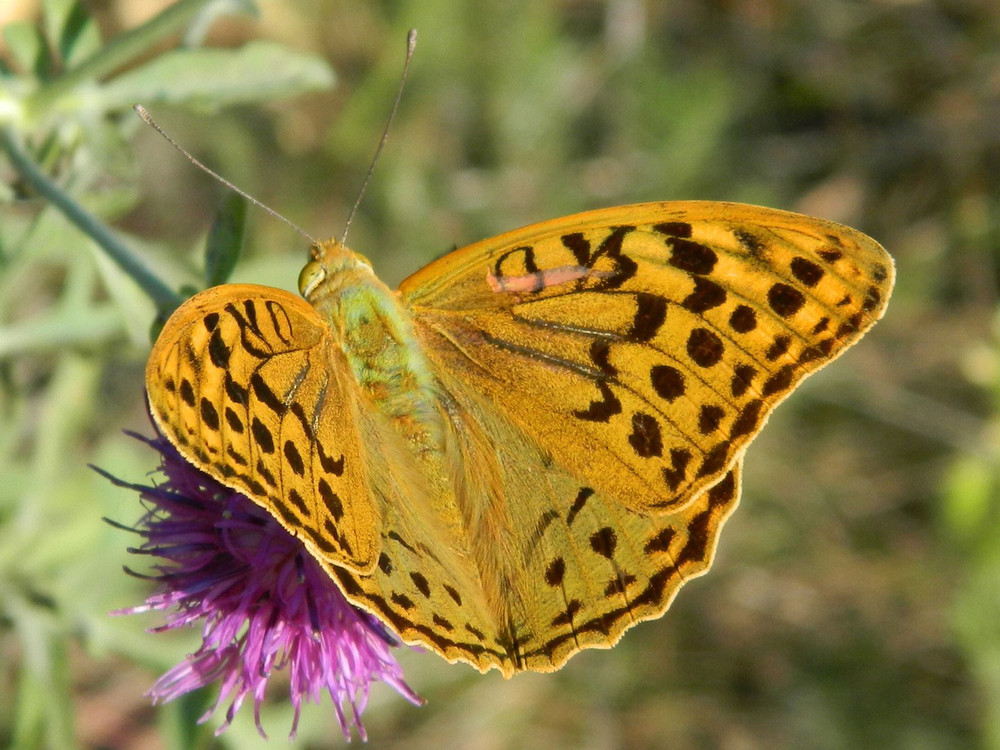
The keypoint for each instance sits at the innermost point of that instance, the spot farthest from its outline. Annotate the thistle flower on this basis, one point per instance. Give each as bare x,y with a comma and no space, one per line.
262,601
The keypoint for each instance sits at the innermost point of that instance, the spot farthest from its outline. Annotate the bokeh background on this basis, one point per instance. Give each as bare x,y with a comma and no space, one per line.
855,600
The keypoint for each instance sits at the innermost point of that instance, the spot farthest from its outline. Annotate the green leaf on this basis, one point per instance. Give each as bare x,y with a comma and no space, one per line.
27,47
215,78
119,52
225,240
202,23
80,37
55,14
70,30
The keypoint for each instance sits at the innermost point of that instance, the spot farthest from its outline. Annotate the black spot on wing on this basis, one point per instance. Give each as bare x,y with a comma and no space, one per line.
646,439
743,376
779,381
600,353
268,397
710,416
294,458
280,321
743,319
330,499
603,410
673,228
384,563
400,541
251,339
331,466
751,242
453,593
299,502
806,271
706,295
661,541
421,583
692,257
715,459
650,313
218,351
579,245
581,499
236,392
604,541
234,421
555,572
544,521
262,436
667,381
704,347
187,392
785,300
778,347
573,608
527,262
679,460
748,419
624,268
209,415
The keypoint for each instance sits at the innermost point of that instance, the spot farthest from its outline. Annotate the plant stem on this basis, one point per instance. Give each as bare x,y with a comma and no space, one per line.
164,297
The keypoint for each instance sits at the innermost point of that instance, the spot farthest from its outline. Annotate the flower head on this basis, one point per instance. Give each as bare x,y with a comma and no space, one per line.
262,601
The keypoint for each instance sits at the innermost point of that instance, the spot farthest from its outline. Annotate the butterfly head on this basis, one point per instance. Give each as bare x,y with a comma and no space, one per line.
332,266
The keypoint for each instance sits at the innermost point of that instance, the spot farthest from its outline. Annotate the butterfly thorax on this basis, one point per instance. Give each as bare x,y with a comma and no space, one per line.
378,342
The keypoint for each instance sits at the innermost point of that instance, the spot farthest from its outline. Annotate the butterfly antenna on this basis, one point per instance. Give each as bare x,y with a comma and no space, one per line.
146,118
411,45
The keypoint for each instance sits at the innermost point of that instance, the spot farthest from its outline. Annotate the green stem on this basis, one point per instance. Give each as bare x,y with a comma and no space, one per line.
164,297
119,51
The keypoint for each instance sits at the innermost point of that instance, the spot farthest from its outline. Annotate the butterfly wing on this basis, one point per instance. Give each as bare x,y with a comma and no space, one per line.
644,346
546,565
243,381
604,374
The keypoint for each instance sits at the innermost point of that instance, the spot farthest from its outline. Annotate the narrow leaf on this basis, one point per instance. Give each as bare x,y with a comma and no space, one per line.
225,240
80,37
27,48
216,78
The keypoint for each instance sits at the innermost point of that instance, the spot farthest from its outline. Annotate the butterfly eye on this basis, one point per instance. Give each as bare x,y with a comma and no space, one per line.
311,276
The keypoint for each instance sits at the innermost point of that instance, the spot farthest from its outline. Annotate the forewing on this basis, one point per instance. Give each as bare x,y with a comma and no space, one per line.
246,382
644,346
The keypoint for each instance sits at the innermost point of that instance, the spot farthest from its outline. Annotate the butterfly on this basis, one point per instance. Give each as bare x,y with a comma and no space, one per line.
530,446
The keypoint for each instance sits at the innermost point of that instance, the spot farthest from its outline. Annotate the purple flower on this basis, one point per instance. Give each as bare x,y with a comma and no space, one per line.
262,601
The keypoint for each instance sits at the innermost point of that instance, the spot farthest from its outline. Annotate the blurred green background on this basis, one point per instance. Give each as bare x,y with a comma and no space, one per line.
855,600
